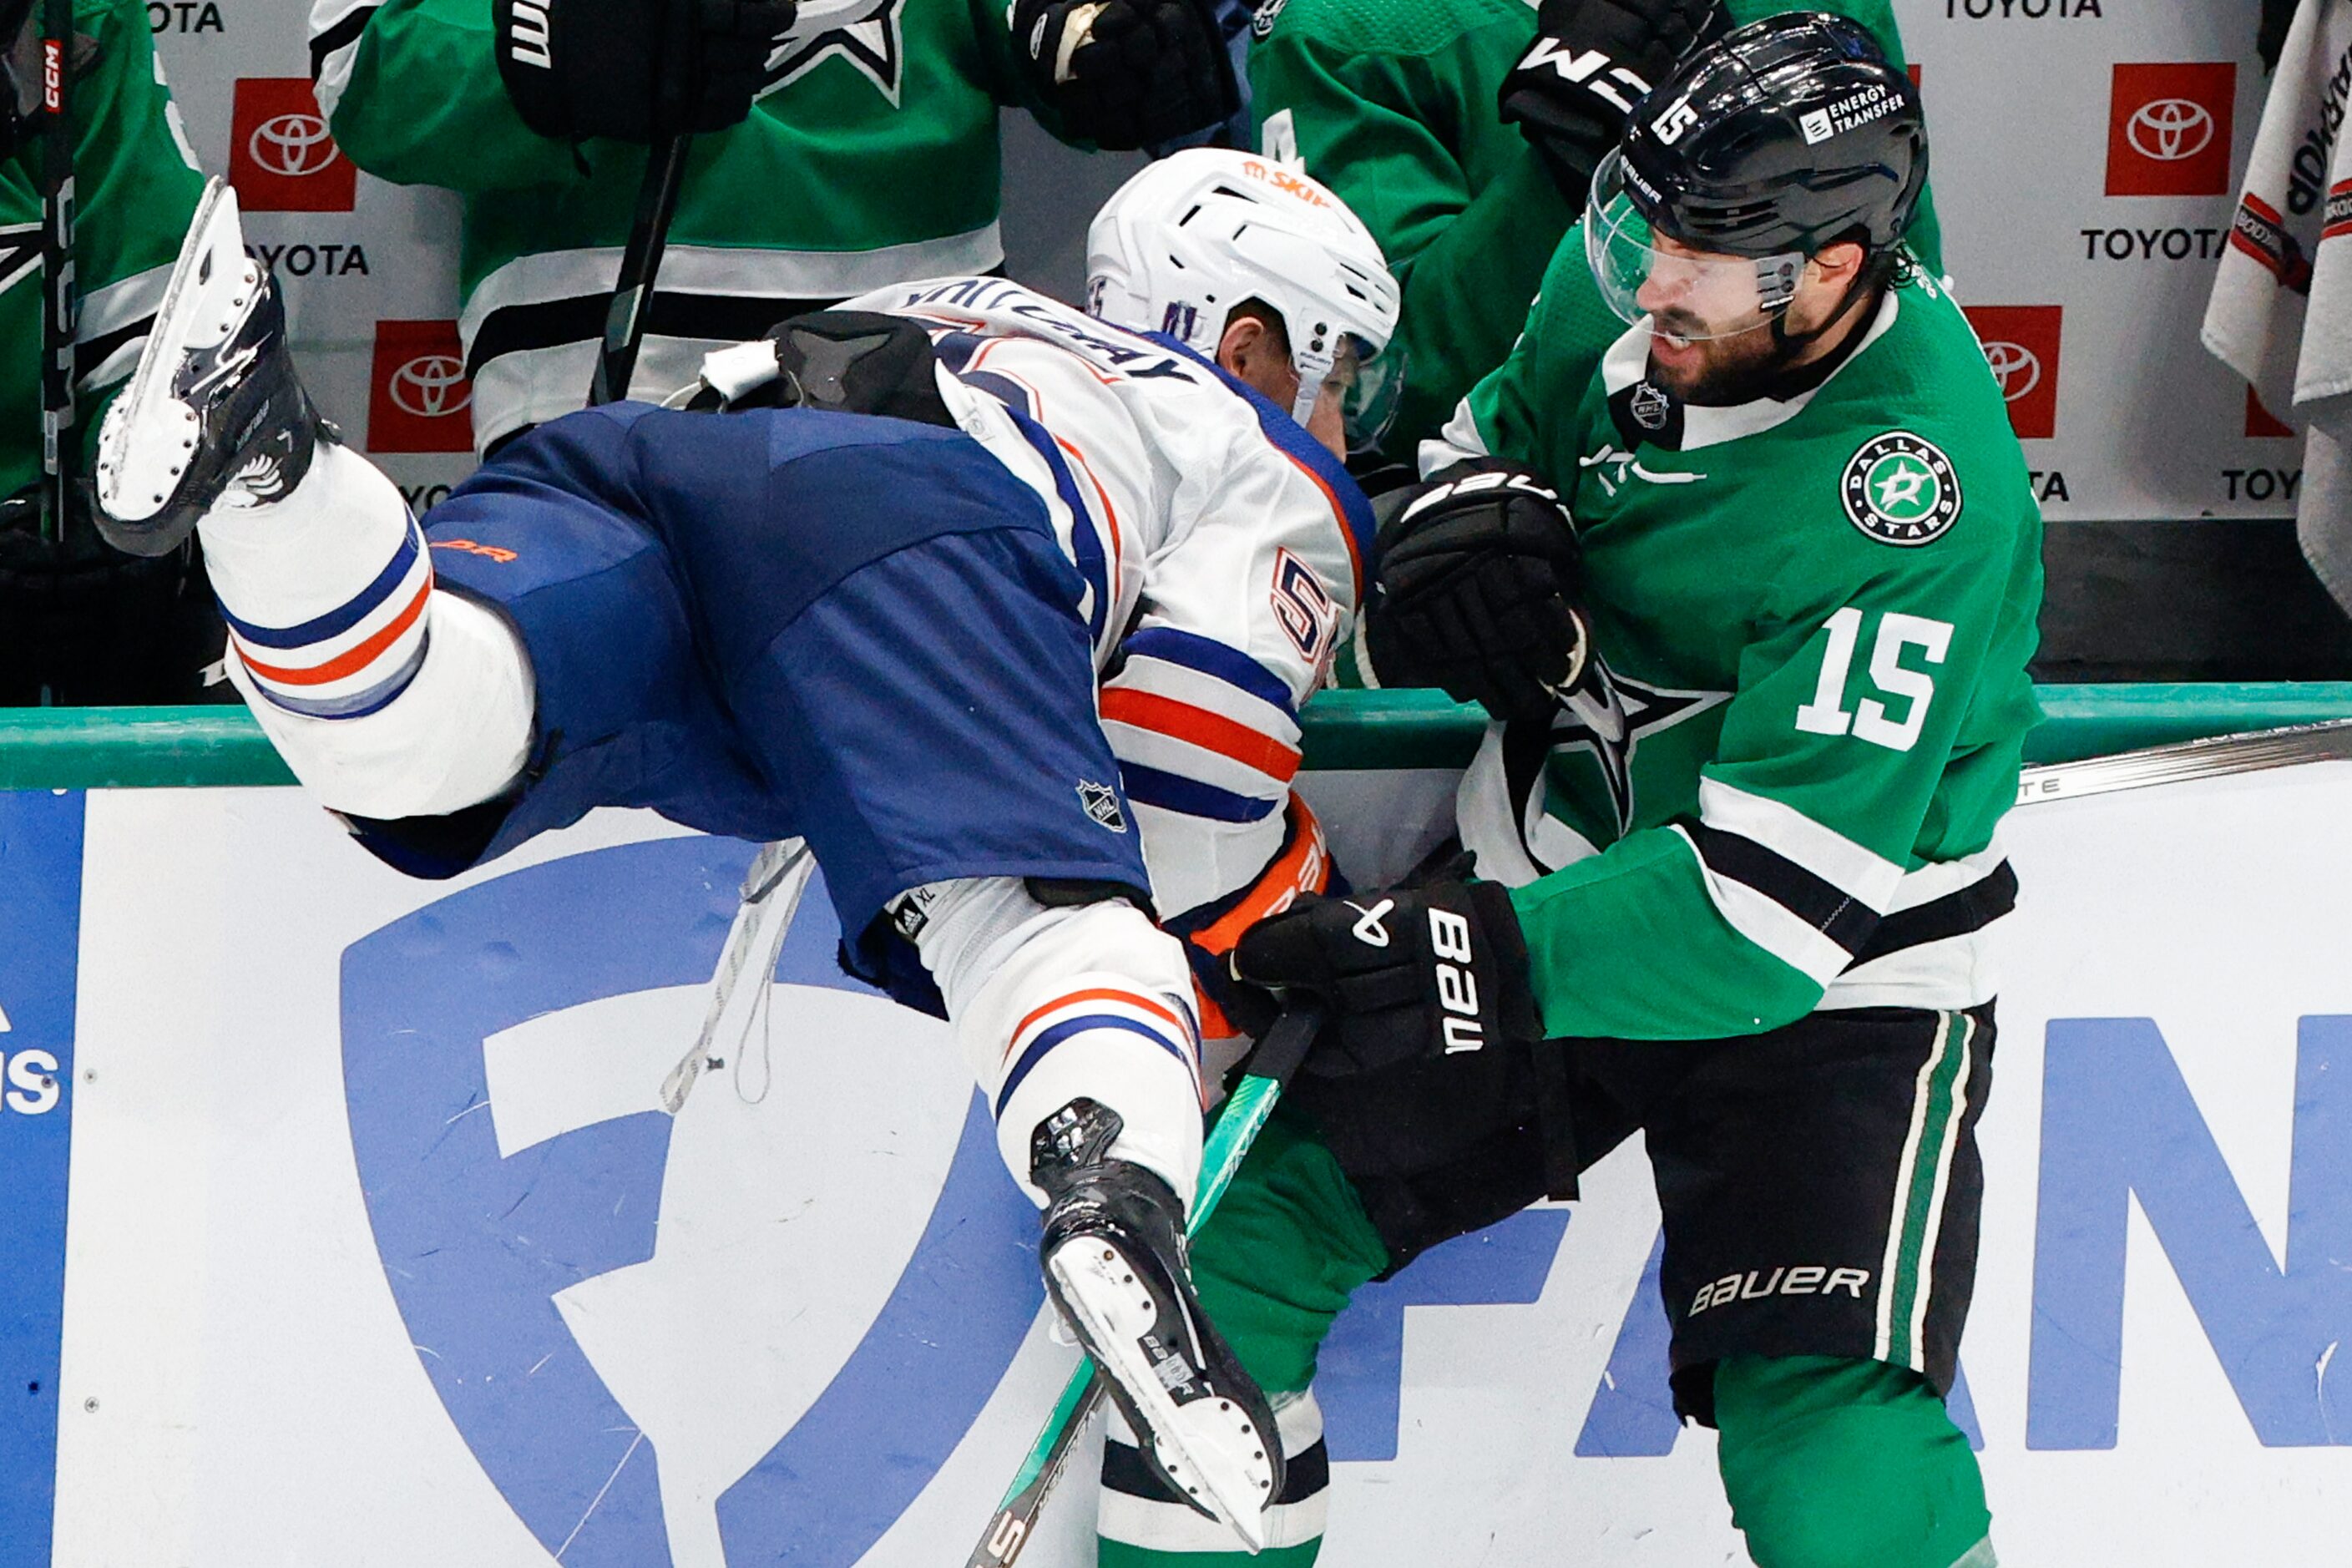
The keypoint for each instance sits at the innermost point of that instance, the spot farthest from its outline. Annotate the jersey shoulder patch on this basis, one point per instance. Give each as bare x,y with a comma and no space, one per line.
1901,489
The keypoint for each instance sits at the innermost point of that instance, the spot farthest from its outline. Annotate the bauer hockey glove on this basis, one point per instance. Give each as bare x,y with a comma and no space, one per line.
1411,973
1125,74
1478,575
1592,61
635,70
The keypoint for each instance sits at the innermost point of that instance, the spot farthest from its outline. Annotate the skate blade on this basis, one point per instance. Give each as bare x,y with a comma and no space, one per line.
149,435
1209,1447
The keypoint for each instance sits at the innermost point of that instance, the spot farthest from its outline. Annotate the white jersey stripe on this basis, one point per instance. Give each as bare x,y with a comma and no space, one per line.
1916,1330
1866,877
1906,1173
1769,923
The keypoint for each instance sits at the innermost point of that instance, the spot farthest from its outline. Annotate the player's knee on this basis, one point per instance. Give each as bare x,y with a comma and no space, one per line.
1833,1463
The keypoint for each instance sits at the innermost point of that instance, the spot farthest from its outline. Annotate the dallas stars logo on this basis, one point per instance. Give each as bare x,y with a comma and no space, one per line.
869,34
1608,713
1900,489
20,253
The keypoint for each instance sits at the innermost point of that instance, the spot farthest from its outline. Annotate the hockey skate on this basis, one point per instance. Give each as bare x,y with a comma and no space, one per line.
1115,1264
214,413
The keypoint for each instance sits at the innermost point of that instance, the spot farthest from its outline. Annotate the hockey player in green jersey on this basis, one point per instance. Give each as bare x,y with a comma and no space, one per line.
1765,704
843,145
1394,104
80,622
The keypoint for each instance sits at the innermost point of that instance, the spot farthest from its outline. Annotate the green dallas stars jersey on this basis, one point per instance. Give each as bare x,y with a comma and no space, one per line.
136,183
1391,104
1781,792
873,160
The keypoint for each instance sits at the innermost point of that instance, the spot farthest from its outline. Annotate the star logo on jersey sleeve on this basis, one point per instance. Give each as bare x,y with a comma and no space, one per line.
1607,714
1900,489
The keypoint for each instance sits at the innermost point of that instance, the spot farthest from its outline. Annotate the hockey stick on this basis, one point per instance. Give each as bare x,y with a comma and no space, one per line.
1252,1101
57,268
2215,757
771,895
632,289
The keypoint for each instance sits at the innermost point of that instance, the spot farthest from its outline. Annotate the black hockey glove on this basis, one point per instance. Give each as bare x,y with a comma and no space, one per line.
1127,73
1411,973
1593,60
635,70
1478,573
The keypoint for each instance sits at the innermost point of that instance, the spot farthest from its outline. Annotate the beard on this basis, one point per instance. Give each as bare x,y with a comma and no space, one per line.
1715,371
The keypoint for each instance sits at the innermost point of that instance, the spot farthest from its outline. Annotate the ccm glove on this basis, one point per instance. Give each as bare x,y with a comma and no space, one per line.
1593,60
1411,973
635,70
1477,574
1126,74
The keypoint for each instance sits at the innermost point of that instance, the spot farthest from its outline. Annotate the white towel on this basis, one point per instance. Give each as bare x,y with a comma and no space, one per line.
2280,314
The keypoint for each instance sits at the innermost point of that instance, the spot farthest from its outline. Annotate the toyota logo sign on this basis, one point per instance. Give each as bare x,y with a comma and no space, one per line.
291,144
430,386
2170,129
2015,366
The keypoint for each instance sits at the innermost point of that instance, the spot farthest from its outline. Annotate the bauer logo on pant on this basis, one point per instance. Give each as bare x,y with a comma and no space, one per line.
1899,489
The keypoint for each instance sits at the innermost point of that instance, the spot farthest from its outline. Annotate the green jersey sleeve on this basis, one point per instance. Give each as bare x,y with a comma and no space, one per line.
465,134
1849,757
137,184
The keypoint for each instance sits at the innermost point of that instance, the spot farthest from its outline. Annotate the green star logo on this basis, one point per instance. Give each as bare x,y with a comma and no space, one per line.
1900,489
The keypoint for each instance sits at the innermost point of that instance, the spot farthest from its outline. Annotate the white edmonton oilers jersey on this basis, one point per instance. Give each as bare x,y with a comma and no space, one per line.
1222,551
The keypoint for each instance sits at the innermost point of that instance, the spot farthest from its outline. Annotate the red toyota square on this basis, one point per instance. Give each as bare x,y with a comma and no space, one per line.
2261,421
2021,345
418,396
2168,129
280,158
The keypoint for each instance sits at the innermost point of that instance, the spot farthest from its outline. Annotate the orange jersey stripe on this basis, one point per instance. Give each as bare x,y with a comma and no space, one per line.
351,660
1211,732
1304,867
1338,515
1102,994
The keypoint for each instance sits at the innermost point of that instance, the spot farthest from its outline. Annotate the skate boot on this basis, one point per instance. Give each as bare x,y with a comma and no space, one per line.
1115,1264
214,414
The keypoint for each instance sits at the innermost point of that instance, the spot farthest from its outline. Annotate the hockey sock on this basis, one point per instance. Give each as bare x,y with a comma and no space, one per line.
1286,1251
386,697
1834,1463
1053,1003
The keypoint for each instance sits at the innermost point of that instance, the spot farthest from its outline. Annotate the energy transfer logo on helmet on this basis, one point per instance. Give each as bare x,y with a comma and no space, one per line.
1900,489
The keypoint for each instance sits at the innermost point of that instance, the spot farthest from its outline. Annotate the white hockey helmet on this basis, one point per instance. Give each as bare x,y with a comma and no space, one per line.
1200,231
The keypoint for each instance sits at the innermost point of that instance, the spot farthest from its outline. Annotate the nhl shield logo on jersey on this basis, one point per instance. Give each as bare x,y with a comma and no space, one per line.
1900,489
1101,802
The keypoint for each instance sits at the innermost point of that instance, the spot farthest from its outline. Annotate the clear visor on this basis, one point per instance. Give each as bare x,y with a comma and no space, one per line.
1686,295
1368,381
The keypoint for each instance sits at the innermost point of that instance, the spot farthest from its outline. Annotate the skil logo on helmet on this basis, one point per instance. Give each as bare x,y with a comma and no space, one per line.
280,156
418,396
1286,181
2021,349
1900,489
2168,129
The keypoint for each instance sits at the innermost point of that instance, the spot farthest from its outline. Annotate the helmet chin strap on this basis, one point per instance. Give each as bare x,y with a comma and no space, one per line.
1314,369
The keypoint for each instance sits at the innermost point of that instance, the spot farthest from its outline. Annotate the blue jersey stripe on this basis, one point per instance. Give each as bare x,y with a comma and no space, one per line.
356,704
1048,1038
1211,656
1174,792
1083,543
335,622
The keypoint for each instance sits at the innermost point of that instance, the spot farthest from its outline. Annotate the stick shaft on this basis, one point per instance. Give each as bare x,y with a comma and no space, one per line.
1245,1116
2217,757
633,289
57,268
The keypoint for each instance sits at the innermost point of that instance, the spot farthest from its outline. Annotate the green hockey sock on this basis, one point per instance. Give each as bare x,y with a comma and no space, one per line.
1835,1463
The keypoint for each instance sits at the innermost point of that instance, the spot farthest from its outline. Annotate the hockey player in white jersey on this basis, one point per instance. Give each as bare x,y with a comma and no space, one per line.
870,606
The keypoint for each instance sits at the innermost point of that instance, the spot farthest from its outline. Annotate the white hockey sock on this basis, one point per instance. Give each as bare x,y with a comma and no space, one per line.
386,697
1051,1004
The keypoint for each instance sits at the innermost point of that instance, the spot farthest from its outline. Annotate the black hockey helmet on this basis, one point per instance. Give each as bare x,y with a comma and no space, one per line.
1783,136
